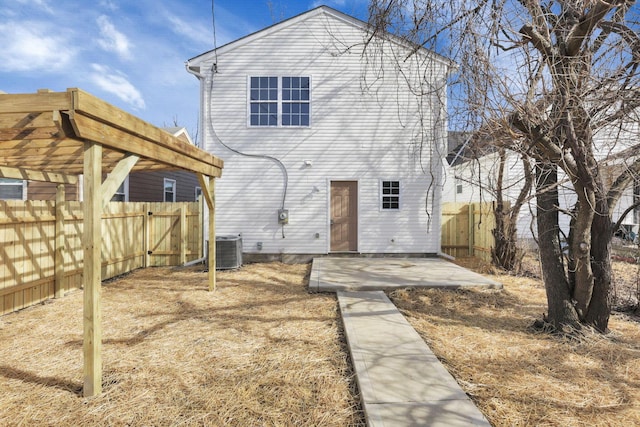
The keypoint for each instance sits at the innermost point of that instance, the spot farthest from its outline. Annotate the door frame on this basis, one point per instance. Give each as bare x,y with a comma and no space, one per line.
328,223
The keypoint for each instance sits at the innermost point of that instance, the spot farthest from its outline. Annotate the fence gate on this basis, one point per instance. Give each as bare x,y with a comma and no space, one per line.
174,233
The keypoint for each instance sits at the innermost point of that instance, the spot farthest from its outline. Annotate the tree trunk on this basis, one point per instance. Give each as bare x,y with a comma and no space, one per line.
505,252
561,312
599,309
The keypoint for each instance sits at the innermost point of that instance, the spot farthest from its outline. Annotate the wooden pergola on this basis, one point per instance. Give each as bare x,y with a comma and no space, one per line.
58,137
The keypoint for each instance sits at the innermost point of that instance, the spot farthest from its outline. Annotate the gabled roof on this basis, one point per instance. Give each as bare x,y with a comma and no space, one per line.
466,146
193,63
179,132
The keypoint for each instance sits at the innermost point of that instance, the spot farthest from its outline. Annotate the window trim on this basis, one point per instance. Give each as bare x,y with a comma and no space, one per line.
16,183
382,195
164,191
279,102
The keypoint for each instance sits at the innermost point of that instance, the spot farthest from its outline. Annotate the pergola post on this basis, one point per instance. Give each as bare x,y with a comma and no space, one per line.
208,185
212,234
92,243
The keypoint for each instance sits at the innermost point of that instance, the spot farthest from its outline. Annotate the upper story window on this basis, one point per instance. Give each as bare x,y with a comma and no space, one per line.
279,101
12,189
390,195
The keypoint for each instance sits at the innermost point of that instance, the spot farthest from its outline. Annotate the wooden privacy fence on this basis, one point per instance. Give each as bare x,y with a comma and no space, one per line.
41,253
467,229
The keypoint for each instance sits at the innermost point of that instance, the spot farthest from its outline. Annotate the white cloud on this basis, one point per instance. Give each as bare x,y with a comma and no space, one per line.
193,31
108,4
115,82
41,4
32,46
113,40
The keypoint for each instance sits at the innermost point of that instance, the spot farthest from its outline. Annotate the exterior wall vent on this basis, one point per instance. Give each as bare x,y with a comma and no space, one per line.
228,252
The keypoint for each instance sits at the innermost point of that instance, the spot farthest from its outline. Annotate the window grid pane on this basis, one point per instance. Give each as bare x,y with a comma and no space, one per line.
264,101
295,101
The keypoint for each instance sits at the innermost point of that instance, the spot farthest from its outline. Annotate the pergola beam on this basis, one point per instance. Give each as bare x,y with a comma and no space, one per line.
34,175
93,130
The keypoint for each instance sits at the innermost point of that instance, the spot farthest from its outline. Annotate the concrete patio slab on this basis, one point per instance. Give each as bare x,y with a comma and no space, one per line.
331,274
401,381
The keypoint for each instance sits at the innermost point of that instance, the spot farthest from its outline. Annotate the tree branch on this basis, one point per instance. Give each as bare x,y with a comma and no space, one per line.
587,23
621,183
626,212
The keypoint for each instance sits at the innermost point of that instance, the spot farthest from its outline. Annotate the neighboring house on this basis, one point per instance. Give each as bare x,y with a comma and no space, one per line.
162,186
472,170
323,145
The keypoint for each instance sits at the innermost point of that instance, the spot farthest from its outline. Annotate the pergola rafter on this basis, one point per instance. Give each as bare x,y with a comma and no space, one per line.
58,136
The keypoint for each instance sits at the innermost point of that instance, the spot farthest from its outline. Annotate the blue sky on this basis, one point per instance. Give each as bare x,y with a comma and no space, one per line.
130,53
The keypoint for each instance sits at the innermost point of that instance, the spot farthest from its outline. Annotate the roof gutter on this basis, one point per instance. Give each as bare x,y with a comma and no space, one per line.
193,69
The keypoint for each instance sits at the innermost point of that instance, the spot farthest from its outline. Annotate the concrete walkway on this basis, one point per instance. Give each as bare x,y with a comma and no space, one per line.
401,382
331,274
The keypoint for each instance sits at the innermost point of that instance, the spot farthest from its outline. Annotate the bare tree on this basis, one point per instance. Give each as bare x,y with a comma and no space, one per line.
551,74
505,180
506,253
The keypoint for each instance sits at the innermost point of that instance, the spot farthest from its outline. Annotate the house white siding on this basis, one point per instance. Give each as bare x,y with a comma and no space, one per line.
610,144
355,134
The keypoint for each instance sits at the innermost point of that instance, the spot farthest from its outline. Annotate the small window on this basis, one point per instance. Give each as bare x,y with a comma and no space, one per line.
390,195
169,190
12,189
198,193
122,193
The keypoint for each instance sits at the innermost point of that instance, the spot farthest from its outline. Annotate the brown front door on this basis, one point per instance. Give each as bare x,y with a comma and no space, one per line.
344,216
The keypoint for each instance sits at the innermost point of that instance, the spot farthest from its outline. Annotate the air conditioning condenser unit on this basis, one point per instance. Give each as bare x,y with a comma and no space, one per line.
228,252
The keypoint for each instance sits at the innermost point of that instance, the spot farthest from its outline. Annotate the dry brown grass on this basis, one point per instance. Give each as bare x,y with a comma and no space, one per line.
518,377
259,351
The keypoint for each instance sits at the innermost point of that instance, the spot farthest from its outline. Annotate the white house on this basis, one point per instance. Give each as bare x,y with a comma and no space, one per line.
328,147
471,176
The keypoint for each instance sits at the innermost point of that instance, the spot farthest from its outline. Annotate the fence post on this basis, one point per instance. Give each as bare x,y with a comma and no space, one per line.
472,222
183,234
146,220
201,238
59,243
